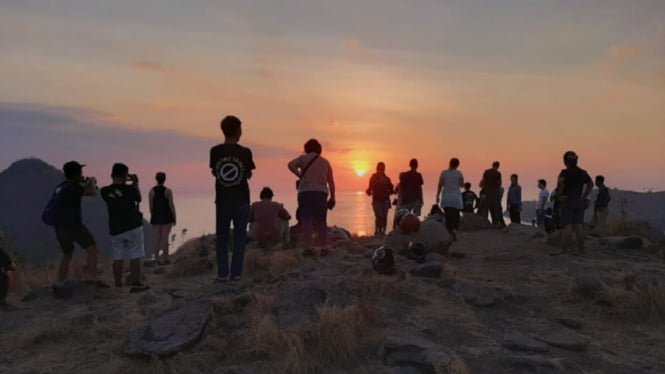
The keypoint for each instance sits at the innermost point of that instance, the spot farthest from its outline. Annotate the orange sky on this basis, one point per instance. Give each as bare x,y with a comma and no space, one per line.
520,82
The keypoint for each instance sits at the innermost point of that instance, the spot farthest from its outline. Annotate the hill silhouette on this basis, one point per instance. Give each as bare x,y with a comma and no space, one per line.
25,188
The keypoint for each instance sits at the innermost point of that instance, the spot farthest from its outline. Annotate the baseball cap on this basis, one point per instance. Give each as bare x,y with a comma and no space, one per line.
119,170
72,169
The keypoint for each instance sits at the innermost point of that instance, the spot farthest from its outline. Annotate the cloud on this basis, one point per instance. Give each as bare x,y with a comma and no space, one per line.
150,65
352,44
618,58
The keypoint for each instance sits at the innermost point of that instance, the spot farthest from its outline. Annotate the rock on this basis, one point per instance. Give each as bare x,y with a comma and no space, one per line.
234,322
645,280
533,364
336,234
571,323
523,230
572,342
474,222
433,235
415,353
299,305
429,270
73,290
480,295
83,320
237,370
174,331
520,342
38,293
159,270
590,286
623,242
148,298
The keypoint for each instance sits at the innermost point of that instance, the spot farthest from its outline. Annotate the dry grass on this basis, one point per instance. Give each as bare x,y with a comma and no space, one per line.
375,286
283,261
333,338
638,304
256,260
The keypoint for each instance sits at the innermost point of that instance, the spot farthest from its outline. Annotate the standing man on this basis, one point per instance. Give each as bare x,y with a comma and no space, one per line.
541,204
231,165
601,206
380,188
573,189
69,227
491,185
514,200
410,191
122,199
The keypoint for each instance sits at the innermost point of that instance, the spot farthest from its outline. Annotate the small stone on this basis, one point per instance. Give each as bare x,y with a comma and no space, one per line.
429,270
415,353
148,298
520,342
571,323
566,341
590,286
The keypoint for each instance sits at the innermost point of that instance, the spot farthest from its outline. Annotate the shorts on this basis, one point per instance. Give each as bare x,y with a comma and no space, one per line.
312,205
572,212
129,245
68,235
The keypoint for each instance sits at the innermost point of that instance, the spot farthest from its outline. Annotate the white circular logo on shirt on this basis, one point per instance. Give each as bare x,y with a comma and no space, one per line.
230,171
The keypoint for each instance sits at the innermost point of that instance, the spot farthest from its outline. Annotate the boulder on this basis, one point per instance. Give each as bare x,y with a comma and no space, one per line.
480,295
570,323
429,270
173,331
623,242
433,235
533,364
415,353
524,230
569,341
516,341
590,286
336,234
74,290
474,222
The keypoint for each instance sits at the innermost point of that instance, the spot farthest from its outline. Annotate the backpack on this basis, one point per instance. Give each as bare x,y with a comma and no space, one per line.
49,214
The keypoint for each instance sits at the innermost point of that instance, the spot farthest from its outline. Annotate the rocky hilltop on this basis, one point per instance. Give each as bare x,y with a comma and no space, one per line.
500,304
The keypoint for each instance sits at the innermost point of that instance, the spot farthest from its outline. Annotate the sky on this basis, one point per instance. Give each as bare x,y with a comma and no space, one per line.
147,82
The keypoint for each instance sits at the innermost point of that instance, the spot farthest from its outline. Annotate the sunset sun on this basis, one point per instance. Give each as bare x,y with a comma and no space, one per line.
361,172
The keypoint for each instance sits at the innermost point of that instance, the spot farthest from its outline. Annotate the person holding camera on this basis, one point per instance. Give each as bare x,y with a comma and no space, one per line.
316,194
125,225
68,221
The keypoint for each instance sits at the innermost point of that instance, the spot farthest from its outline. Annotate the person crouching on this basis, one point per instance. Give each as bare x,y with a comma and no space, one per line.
269,222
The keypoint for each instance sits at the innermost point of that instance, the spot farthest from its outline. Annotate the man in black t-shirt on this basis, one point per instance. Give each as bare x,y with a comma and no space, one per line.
380,188
491,186
6,265
231,165
410,192
125,225
69,227
573,189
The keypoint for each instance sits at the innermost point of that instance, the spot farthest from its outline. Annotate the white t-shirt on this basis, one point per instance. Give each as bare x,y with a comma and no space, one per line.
316,177
543,197
451,197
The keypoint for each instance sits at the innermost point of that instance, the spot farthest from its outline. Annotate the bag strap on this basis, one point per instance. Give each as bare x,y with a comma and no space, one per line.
304,170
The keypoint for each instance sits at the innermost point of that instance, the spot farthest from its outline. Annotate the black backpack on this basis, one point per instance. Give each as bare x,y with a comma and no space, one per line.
49,214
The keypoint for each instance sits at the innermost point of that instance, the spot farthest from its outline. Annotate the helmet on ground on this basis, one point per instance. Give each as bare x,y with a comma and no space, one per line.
416,251
409,224
383,261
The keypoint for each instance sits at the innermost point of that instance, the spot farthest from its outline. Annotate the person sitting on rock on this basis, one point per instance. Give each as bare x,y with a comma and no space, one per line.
436,214
269,221
6,265
125,225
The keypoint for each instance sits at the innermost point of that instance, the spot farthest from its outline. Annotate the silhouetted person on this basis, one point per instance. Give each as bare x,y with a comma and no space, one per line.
380,188
69,227
541,204
410,191
601,207
6,265
162,217
449,194
470,199
574,187
316,194
514,201
231,165
269,222
122,199
491,185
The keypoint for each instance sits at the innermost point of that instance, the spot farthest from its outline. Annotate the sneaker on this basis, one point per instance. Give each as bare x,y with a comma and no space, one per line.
138,287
